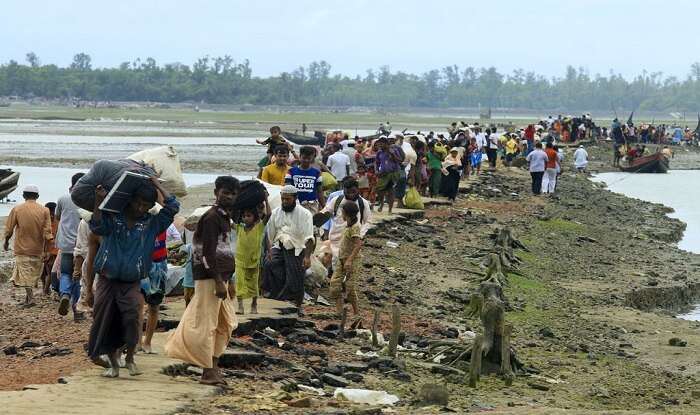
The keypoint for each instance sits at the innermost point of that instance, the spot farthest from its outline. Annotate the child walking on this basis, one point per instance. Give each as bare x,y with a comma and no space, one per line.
249,241
349,266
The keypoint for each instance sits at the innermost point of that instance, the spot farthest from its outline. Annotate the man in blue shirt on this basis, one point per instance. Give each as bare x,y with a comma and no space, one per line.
122,261
308,181
538,164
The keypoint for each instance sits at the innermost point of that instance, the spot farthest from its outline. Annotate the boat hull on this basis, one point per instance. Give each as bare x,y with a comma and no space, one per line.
305,140
8,182
655,163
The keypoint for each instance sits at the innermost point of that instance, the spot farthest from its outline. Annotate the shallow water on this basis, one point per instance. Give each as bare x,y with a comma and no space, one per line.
676,189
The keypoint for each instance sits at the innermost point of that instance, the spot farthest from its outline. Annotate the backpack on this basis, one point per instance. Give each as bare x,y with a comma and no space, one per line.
339,200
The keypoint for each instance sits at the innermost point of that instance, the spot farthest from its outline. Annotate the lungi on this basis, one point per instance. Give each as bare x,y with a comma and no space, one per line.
115,317
205,327
283,275
27,270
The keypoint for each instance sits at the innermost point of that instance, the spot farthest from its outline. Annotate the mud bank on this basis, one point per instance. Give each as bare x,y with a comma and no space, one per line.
590,302
589,305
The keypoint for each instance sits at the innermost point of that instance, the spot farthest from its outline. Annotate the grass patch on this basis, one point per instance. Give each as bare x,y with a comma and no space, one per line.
528,257
523,283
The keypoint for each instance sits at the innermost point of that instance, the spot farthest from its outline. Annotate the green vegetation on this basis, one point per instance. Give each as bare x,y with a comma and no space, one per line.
528,257
221,80
519,284
237,119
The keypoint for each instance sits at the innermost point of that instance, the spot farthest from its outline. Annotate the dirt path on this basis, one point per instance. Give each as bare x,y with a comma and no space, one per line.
153,392
85,392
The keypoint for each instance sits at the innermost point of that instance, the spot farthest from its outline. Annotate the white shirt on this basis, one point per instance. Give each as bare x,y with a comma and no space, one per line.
538,160
480,140
338,225
172,234
493,140
350,152
580,158
337,163
81,240
291,229
411,158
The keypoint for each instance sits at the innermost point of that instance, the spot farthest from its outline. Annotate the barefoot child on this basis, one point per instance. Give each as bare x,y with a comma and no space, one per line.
248,251
349,265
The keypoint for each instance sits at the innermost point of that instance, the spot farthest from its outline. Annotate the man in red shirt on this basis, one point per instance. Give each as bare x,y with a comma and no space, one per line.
530,136
549,182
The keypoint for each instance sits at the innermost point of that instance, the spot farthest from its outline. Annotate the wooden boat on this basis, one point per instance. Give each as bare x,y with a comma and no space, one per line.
318,139
655,163
8,182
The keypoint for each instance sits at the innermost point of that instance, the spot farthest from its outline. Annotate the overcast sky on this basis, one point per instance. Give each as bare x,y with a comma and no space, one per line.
413,36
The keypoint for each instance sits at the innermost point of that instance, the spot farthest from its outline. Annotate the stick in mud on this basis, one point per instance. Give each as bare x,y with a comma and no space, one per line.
506,370
341,329
375,327
475,365
395,329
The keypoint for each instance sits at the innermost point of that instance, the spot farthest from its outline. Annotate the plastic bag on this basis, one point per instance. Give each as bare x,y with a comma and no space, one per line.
413,199
329,182
365,396
166,163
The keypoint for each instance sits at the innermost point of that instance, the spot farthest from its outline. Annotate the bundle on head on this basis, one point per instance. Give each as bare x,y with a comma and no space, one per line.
250,195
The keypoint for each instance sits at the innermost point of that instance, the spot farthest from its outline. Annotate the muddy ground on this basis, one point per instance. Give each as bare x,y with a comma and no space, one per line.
592,310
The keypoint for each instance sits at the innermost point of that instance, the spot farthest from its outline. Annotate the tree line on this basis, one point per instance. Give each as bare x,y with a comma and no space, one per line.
222,80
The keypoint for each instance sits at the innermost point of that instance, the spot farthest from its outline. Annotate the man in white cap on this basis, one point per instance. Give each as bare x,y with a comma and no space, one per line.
291,235
581,159
30,223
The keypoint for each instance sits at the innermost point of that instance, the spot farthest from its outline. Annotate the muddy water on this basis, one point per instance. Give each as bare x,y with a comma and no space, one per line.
677,189
66,150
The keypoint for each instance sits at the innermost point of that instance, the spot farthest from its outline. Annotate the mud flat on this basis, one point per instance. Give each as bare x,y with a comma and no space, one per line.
592,307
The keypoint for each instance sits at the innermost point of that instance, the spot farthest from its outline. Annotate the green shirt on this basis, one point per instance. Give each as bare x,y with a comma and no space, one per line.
434,162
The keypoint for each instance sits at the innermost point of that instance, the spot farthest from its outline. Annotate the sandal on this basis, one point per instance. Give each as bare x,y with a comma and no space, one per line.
133,369
147,350
103,361
110,373
215,382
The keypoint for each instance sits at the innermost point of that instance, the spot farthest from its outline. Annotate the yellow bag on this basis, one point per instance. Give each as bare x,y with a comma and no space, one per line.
440,149
328,181
413,199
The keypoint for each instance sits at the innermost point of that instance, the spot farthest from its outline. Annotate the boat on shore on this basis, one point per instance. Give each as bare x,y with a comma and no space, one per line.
8,182
655,163
318,139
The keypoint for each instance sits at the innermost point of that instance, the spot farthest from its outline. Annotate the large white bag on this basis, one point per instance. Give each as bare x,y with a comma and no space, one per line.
166,163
